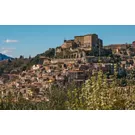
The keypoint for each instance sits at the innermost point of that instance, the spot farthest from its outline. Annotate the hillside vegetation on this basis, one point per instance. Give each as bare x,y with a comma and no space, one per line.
95,94
18,65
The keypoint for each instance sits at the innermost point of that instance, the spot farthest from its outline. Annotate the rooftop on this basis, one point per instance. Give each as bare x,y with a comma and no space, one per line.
117,45
86,35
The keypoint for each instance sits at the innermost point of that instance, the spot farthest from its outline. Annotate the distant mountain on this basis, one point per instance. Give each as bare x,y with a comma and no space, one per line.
4,57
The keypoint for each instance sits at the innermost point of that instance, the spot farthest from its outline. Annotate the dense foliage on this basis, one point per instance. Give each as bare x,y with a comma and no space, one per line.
16,65
21,64
98,93
50,53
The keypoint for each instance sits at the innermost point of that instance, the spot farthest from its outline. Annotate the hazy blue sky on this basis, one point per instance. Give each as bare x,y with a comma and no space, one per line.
16,40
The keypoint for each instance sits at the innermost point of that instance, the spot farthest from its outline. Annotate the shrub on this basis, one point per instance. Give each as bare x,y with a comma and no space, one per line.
97,93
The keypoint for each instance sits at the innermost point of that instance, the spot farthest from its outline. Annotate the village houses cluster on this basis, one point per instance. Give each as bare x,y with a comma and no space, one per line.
75,61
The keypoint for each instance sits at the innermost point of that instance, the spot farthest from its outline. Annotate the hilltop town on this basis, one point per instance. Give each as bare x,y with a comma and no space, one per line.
74,61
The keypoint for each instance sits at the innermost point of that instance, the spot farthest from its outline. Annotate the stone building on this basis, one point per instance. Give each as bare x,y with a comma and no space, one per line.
89,41
116,48
69,44
122,49
133,44
79,47
44,60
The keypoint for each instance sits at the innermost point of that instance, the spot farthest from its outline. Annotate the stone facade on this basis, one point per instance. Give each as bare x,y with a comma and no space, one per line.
122,49
117,47
79,39
80,46
133,44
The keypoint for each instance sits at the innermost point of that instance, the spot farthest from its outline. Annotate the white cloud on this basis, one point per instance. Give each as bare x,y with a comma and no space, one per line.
10,41
7,51
8,48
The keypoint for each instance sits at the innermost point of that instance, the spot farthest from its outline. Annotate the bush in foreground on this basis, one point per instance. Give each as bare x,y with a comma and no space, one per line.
95,94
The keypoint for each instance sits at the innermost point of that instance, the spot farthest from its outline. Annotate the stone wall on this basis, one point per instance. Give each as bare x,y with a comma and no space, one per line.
88,41
100,43
80,39
95,39
53,61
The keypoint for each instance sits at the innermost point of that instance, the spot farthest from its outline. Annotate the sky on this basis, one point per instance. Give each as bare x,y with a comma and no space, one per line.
30,40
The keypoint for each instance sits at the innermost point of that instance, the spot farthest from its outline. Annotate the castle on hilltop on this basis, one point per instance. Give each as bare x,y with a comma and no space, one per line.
80,46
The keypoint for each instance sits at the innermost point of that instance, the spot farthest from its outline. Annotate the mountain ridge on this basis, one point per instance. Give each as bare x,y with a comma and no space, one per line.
4,57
